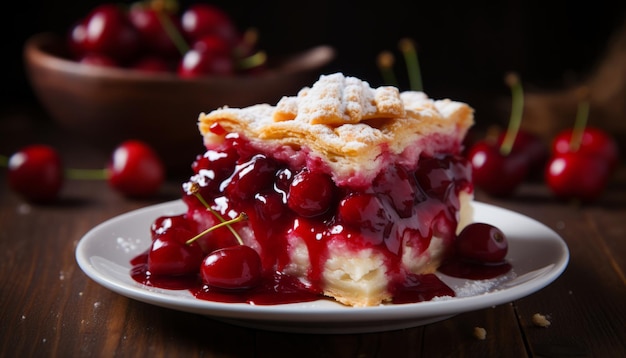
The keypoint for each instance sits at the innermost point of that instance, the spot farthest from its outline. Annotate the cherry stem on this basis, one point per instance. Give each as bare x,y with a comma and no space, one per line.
242,216
172,32
218,216
252,61
407,47
582,116
164,5
87,174
385,63
250,39
517,109
73,174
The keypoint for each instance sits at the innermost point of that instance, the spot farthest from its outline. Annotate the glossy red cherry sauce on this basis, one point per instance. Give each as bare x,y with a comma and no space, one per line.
473,270
286,203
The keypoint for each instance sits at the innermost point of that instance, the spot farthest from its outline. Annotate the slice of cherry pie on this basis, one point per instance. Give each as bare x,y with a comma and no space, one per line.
355,192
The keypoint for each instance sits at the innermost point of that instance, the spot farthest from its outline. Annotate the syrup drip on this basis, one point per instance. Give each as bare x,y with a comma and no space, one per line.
281,289
419,202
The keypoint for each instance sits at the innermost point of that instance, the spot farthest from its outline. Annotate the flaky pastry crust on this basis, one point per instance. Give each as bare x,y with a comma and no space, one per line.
348,126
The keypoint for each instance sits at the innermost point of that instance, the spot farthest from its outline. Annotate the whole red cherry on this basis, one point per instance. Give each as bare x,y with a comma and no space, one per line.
108,31
269,206
310,193
135,169
251,177
96,59
36,173
234,267
482,243
170,255
154,36
167,222
530,145
196,63
496,173
364,211
152,64
577,175
76,38
203,19
213,44
498,168
593,141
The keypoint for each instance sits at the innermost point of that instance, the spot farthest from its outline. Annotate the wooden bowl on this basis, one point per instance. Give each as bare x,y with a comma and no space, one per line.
108,105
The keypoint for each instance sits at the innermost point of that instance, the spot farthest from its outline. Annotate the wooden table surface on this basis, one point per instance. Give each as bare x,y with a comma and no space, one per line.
49,307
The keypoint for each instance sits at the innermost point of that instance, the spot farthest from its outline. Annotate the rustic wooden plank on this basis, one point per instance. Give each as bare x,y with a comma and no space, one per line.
590,294
398,343
589,297
457,337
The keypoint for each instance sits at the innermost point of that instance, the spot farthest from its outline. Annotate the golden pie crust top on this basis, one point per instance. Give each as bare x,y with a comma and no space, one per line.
355,130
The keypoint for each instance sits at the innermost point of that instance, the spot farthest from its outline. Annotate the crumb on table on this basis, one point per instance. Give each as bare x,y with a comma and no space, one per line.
540,320
480,333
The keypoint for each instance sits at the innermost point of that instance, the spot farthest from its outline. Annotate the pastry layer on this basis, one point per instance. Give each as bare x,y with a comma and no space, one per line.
353,130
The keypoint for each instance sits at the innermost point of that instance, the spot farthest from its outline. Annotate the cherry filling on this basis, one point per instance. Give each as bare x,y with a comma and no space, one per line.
283,201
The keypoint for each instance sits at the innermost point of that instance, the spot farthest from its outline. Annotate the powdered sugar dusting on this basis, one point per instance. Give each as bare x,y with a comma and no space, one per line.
479,287
127,244
350,126
337,99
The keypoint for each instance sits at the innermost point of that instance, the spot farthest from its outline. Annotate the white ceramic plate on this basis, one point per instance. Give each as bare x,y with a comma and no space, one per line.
537,253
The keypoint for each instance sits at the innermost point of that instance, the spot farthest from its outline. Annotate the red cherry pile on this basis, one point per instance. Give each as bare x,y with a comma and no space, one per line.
177,251
36,171
576,166
153,36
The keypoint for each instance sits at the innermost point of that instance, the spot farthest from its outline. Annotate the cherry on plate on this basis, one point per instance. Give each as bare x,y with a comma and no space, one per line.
167,222
234,267
481,242
170,255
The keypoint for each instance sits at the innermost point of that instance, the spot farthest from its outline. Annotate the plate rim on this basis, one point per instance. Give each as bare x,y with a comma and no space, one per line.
336,313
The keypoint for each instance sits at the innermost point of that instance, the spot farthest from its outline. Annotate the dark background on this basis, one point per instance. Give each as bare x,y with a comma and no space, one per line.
465,47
